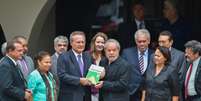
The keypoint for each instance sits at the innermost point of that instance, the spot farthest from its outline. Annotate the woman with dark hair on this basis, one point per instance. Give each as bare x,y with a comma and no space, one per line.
97,53
42,83
161,82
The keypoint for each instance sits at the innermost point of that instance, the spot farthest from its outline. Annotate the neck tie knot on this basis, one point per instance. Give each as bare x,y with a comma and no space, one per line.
142,53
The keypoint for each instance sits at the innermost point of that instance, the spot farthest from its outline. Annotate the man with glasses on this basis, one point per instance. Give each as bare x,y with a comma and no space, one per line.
60,46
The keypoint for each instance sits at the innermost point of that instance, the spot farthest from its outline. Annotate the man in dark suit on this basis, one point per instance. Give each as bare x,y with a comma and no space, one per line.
73,66
26,63
60,46
139,58
126,30
114,86
12,82
192,75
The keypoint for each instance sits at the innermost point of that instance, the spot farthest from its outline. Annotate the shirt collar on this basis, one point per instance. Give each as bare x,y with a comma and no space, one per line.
145,52
76,54
56,54
197,60
12,60
138,22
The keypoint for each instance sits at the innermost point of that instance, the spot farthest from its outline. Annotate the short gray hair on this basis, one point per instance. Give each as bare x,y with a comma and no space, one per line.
194,45
112,41
142,32
60,38
77,33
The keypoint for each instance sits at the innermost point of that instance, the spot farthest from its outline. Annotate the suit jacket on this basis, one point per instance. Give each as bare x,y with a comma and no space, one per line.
178,61
29,63
163,86
69,75
53,69
197,79
115,86
12,83
127,31
136,78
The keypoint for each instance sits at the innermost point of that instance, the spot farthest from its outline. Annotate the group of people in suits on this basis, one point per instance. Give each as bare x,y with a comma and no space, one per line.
164,70
138,73
160,77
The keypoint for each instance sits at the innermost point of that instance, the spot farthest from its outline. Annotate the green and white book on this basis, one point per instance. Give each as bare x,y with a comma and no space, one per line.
94,73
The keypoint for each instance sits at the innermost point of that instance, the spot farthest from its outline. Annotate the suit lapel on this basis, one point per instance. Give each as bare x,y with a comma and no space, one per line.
198,71
85,61
136,59
135,52
74,61
149,56
16,69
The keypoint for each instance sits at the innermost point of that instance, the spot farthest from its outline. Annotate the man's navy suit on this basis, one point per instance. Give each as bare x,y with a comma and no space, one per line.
69,74
12,82
136,78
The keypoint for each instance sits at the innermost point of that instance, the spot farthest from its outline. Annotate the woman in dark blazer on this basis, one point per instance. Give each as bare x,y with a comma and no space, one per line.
97,53
161,82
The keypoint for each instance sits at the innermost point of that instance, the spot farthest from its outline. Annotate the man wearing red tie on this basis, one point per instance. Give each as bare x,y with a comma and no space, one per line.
192,74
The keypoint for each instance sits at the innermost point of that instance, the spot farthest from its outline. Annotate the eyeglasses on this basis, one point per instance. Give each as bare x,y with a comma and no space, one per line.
59,45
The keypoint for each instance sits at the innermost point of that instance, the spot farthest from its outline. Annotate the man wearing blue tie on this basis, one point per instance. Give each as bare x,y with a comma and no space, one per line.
72,69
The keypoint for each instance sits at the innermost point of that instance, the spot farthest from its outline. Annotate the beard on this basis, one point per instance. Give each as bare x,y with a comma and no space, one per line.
112,58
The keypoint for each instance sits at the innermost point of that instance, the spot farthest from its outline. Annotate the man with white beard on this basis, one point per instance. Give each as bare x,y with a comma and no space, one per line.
114,86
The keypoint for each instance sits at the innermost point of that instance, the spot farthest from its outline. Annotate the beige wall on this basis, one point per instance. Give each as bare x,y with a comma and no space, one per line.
17,17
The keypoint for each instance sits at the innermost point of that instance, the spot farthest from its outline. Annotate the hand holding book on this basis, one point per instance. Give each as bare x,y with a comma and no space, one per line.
95,73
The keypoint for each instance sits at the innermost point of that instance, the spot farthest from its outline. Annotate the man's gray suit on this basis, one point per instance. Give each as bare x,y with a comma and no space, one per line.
30,65
177,60
53,68
69,75
12,83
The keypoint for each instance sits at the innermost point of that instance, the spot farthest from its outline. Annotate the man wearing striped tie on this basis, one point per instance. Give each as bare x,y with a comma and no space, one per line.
138,57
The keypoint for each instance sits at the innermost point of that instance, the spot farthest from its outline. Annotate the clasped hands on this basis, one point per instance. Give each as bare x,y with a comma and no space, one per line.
86,82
